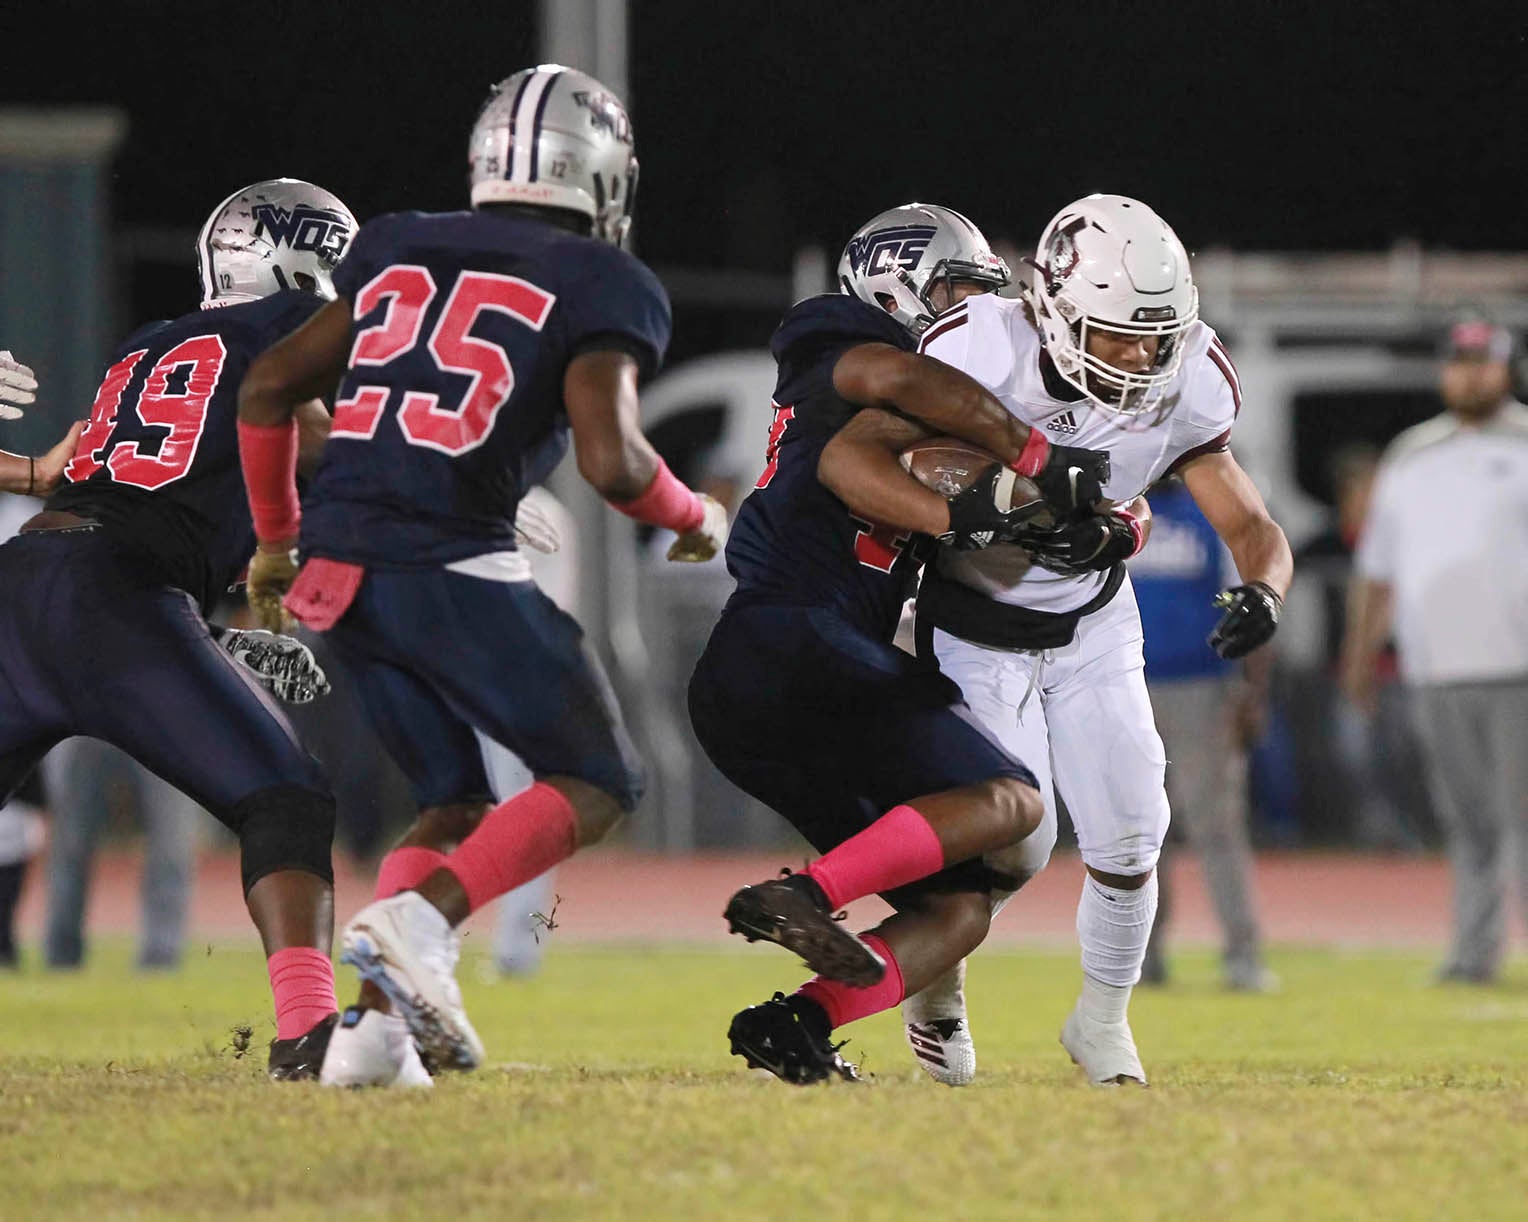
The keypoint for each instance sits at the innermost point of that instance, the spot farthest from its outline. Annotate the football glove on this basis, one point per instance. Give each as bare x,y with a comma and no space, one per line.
1251,615
701,544
18,387
283,665
1073,478
270,576
1089,545
976,521
534,529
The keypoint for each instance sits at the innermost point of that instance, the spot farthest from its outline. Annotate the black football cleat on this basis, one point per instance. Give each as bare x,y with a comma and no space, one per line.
300,1059
783,1037
793,911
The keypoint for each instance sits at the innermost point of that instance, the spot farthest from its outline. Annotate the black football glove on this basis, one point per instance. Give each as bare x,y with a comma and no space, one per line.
1089,545
1251,615
283,665
1073,479
976,521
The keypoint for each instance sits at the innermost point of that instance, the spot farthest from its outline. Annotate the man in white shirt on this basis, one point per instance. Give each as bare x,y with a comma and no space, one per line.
1443,563
1105,351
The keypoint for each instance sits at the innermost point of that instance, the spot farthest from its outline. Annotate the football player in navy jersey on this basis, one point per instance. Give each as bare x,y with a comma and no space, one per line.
103,594
466,345
800,697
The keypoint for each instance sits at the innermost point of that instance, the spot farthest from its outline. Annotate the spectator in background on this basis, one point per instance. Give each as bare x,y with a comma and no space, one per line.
86,780
1444,560
1368,746
1209,713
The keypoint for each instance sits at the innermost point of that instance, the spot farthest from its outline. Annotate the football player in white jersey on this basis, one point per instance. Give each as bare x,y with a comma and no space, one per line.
1105,350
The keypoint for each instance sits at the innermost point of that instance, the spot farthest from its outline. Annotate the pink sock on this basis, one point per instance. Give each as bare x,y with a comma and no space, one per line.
844,1004
898,848
406,867
515,842
302,981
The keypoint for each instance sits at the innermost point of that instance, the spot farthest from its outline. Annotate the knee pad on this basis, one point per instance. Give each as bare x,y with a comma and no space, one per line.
285,827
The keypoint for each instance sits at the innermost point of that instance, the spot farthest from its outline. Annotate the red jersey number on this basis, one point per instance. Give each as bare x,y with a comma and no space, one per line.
877,547
408,291
196,365
783,417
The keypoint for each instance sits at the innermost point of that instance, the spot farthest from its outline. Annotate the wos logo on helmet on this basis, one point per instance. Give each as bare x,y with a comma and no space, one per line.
1109,263
554,137
279,234
894,261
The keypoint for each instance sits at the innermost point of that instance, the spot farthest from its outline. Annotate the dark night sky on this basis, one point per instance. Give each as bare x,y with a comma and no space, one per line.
760,126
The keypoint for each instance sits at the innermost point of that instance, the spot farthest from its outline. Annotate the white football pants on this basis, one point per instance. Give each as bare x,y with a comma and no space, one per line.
1085,729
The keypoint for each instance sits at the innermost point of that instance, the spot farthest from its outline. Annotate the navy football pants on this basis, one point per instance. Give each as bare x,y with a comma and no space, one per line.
833,728
89,645
434,653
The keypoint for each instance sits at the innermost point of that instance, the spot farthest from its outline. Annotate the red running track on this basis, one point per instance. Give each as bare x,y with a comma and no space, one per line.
619,895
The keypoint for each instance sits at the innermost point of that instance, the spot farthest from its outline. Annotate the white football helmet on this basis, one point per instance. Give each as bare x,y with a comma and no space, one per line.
1110,263
279,234
894,260
554,137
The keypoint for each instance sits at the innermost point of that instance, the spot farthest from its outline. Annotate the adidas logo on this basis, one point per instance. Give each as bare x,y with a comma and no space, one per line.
1063,423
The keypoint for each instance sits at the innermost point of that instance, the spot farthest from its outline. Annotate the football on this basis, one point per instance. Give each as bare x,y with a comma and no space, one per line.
949,466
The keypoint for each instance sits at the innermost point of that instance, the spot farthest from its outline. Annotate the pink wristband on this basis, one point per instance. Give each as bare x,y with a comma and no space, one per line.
1137,531
268,454
1033,457
667,503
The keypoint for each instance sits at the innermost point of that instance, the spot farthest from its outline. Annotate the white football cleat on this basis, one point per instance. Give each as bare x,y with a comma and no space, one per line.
370,1048
938,1030
1104,1051
405,947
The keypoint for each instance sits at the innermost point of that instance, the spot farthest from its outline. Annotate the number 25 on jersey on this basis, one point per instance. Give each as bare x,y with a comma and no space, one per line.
407,289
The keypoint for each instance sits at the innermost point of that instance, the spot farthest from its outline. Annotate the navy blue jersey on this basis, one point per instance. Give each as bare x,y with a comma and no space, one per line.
158,465
451,408
794,542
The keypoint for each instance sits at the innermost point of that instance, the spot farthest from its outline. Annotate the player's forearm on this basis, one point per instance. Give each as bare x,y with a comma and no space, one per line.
17,473
937,394
1261,553
869,479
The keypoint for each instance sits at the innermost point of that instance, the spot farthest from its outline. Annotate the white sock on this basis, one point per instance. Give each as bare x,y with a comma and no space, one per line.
1113,926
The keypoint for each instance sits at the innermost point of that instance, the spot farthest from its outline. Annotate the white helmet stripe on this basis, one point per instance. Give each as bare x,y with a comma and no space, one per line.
204,251
528,109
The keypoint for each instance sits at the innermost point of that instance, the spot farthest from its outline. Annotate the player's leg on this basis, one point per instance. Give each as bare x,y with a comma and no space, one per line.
935,1020
163,691
514,666
915,737
896,731
519,943
405,950
1109,767
1459,769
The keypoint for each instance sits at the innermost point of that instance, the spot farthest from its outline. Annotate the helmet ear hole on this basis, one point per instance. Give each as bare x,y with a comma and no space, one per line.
887,302
307,283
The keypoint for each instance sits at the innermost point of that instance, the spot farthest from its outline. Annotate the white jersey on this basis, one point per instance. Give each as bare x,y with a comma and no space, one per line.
992,339
1448,531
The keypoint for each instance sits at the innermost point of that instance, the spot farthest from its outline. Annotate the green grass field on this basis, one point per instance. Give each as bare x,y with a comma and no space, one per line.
1357,1092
